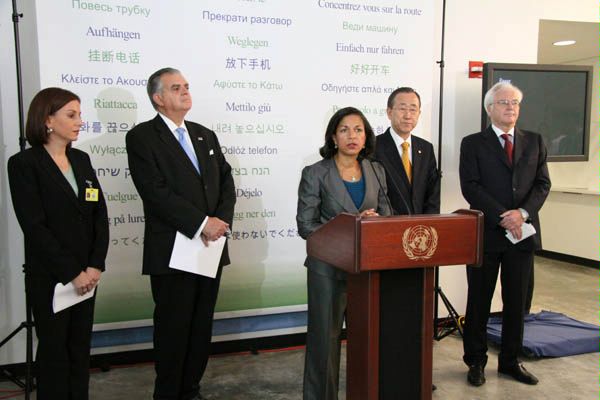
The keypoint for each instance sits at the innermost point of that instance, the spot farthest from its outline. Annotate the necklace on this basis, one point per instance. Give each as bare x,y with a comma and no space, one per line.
353,172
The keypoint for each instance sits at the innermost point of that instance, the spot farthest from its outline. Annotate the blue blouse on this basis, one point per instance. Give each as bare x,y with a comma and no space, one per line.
356,190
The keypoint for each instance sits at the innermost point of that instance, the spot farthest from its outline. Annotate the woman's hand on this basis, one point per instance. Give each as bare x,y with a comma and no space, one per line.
369,213
83,283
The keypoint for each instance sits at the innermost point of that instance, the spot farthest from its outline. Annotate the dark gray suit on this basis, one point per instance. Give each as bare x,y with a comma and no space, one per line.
490,184
321,196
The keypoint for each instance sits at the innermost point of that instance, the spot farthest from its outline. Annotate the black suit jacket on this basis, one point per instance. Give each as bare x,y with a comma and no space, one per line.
64,233
175,196
491,185
423,195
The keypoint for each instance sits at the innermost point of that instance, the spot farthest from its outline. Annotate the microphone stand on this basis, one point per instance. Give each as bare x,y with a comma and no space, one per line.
28,323
443,327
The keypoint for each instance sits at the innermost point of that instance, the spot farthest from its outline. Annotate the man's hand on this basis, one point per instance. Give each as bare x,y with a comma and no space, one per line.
512,221
83,283
94,274
214,229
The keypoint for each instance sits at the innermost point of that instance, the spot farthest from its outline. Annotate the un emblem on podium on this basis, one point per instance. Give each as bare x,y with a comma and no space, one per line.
420,242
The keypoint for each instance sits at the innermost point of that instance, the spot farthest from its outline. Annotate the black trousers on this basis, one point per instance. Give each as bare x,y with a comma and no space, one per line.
515,269
183,315
63,351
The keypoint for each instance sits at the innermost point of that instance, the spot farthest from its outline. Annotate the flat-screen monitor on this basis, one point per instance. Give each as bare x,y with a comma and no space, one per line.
556,103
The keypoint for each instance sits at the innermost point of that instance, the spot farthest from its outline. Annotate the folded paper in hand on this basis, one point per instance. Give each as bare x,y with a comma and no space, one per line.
67,295
527,230
191,255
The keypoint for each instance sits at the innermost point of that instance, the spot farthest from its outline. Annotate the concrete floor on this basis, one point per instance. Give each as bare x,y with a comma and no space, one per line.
277,375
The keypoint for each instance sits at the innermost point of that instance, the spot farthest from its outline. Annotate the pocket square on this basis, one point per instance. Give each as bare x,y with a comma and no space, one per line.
211,152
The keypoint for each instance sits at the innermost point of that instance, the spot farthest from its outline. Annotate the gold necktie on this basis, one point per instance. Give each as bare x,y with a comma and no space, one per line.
406,160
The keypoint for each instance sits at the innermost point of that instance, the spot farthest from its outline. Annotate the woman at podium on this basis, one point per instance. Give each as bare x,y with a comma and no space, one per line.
345,180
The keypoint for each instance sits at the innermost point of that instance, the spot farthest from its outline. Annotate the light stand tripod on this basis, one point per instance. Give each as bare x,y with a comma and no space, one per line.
28,326
443,328
28,323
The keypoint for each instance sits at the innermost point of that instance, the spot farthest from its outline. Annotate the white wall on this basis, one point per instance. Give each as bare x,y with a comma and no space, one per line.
486,30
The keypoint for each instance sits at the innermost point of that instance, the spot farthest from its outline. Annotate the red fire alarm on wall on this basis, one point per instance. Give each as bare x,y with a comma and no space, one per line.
476,69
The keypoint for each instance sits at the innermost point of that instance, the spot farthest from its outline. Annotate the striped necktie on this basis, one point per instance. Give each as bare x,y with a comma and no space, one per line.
508,147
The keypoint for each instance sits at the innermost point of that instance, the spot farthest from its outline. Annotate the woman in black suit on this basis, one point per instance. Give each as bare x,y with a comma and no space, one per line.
344,181
61,210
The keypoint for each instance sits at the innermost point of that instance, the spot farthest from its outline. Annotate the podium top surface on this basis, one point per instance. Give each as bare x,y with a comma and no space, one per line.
357,244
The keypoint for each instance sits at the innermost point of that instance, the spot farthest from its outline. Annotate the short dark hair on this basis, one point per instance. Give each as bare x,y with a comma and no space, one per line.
154,84
44,104
404,89
328,150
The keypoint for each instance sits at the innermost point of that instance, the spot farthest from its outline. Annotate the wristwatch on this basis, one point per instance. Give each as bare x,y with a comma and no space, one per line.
524,214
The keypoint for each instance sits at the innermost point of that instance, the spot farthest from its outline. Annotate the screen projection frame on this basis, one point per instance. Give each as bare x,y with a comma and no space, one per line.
490,77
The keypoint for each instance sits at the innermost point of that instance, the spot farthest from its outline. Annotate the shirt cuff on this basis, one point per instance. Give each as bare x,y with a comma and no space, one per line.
197,235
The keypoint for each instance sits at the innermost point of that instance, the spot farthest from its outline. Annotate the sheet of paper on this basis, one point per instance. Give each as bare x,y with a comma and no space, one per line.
527,230
191,255
66,296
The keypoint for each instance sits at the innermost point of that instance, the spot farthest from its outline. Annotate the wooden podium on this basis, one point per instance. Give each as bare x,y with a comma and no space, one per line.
390,261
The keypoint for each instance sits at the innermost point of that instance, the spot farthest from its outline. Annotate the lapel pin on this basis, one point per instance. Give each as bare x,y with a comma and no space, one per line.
211,152
419,151
199,138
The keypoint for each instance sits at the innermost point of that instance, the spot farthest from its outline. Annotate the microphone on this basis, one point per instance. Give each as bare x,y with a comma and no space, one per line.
389,168
387,200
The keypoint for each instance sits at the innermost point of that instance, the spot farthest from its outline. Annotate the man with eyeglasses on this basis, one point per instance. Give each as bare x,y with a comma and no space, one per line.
413,181
412,177
503,173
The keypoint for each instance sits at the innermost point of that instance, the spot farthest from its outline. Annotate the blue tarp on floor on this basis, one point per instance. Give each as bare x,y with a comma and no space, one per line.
550,334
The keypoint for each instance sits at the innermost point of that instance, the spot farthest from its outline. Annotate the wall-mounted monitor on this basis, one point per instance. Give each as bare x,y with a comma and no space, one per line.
556,103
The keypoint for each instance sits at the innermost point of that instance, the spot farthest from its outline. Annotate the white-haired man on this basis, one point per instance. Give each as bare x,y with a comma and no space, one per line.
503,173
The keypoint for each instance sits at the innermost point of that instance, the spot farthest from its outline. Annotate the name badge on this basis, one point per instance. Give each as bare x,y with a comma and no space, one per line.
91,194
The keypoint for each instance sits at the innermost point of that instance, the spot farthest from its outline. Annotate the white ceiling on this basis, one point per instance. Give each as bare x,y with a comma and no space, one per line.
585,33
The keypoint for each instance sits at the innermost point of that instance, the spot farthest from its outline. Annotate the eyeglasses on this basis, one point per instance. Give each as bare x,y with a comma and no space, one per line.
505,103
407,110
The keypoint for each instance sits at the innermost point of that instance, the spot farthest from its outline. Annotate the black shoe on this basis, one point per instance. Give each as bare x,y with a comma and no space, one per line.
476,376
433,387
519,372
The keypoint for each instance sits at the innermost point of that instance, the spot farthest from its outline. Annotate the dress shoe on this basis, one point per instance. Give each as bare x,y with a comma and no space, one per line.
476,376
519,372
433,387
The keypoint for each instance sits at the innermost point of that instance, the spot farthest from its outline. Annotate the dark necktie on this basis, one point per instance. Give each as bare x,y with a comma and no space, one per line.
508,146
